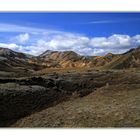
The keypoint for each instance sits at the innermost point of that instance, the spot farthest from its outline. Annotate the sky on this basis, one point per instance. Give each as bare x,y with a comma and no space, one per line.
94,33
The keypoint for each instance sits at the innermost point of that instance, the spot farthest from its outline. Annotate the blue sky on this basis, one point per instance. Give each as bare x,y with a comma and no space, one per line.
84,33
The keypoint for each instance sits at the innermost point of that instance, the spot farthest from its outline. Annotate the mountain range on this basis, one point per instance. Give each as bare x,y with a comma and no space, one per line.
16,61
65,89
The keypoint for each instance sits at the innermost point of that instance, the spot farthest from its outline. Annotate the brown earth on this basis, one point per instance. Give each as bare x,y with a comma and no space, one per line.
98,89
106,107
64,89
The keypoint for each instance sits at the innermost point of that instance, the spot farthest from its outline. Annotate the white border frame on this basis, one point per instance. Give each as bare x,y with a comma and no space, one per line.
70,6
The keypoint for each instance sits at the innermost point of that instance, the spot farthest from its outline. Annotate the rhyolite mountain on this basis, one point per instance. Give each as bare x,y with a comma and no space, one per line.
14,61
71,59
129,59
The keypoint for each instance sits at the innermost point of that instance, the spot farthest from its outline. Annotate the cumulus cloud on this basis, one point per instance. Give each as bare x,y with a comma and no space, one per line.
136,39
22,38
10,46
64,41
35,41
90,46
112,41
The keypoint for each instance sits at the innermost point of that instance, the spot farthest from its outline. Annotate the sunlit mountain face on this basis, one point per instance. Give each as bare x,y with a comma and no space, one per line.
89,34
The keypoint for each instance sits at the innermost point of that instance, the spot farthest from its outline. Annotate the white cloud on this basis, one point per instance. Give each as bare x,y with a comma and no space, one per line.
115,44
10,46
22,38
119,20
112,41
64,42
38,42
4,27
136,39
100,22
90,46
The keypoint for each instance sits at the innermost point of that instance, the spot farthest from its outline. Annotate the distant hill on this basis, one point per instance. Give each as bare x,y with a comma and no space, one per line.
63,59
15,61
130,59
72,59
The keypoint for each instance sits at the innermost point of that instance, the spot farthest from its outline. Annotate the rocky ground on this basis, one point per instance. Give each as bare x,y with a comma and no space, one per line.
87,98
106,107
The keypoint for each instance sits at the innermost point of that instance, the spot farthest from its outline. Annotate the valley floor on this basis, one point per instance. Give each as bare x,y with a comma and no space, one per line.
72,99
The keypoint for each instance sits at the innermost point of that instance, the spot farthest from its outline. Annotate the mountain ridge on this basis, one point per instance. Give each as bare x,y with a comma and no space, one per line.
11,60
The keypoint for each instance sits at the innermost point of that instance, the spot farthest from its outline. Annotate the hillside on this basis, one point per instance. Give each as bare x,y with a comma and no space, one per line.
130,59
86,99
102,108
71,59
65,89
11,61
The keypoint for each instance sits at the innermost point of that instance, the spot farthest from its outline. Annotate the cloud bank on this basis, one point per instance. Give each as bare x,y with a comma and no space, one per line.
35,41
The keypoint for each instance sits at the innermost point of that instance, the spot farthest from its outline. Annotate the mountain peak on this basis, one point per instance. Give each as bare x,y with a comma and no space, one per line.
47,52
6,51
70,52
50,52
